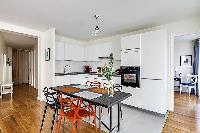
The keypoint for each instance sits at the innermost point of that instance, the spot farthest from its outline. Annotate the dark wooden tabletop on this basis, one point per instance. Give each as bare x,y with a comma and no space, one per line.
104,100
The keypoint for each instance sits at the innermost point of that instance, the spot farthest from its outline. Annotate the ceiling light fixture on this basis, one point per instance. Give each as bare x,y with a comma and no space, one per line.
96,30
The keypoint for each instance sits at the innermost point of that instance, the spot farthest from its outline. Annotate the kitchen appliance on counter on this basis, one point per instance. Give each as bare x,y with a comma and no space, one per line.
130,76
87,69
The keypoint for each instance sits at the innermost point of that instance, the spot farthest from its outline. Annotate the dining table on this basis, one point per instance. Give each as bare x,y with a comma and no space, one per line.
98,97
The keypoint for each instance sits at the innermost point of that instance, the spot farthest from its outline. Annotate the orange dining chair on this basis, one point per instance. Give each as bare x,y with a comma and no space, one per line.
72,110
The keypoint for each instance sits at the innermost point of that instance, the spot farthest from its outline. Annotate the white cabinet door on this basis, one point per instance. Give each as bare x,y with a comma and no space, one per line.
129,100
117,80
91,53
116,49
153,95
60,51
154,54
74,52
58,81
104,49
130,42
62,80
130,58
66,80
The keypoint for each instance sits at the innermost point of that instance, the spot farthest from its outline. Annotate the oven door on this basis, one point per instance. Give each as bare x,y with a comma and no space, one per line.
130,80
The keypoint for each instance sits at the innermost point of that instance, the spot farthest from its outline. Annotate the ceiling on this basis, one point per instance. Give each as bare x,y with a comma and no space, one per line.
74,18
16,40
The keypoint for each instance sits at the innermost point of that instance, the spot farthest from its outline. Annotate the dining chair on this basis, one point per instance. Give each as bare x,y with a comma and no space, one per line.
73,110
95,84
6,86
51,98
189,84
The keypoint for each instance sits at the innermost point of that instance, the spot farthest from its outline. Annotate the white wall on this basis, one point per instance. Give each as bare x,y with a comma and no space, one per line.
3,50
75,66
47,68
35,52
183,48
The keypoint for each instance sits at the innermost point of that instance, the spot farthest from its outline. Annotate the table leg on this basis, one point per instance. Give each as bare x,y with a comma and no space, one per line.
100,110
110,119
119,106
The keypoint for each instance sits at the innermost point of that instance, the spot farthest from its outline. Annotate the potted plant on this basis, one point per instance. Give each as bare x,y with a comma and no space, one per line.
108,72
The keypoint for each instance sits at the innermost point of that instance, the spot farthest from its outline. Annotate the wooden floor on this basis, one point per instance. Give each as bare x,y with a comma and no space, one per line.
186,115
24,114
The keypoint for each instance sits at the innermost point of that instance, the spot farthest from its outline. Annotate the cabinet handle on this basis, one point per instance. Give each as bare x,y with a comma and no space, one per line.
151,79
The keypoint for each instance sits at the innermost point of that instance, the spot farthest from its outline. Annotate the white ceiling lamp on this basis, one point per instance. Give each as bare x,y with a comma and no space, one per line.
96,30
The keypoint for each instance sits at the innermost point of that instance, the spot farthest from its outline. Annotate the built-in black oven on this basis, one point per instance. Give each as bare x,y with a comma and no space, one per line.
130,76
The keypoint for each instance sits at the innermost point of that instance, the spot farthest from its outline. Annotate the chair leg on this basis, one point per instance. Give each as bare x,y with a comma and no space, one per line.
189,90
59,122
54,117
95,124
180,89
195,91
45,110
73,128
121,112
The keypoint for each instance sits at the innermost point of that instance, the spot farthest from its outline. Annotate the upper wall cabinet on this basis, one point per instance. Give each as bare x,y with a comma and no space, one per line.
91,53
74,52
130,42
116,49
60,51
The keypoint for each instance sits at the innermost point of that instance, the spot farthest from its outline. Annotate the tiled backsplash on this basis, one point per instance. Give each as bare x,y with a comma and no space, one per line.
78,66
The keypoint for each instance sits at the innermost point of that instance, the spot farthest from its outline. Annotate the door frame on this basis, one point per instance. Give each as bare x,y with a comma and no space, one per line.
171,67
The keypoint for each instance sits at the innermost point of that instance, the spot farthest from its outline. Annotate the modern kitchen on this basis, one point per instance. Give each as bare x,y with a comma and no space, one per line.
139,64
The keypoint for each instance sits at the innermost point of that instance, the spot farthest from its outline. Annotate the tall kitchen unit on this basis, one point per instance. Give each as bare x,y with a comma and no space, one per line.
154,70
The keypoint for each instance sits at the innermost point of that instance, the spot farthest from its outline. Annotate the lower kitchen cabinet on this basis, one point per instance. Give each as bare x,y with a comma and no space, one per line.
154,95
62,80
150,96
134,100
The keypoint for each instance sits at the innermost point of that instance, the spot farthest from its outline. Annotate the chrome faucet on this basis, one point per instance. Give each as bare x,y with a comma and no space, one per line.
66,68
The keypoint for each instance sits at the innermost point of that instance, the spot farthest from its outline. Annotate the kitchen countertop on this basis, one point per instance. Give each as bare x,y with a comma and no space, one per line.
76,73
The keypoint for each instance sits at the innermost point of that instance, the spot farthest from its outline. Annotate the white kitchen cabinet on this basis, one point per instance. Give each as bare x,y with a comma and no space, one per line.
59,50
62,80
116,49
79,79
134,100
104,49
117,80
91,53
154,95
154,54
130,58
74,52
130,42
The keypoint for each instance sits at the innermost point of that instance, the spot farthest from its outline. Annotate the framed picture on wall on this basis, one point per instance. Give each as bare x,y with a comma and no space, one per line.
186,60
47,54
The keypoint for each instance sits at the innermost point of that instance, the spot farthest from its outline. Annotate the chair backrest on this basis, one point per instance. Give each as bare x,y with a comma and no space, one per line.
118,87
95,84
51,96
192,79
68,104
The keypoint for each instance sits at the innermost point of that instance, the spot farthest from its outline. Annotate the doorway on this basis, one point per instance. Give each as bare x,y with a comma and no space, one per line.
22,58
186,73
